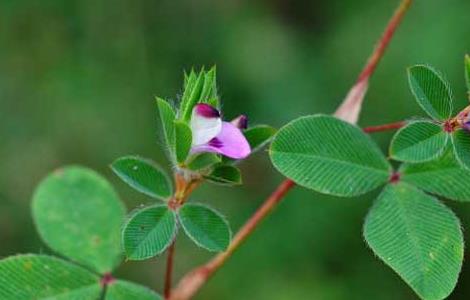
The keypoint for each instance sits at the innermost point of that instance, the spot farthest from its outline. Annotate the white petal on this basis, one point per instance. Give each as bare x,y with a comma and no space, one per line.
204,126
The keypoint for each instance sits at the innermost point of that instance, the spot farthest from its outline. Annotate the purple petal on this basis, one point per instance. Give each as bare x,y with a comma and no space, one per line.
241,122
229,142
206,111
205,123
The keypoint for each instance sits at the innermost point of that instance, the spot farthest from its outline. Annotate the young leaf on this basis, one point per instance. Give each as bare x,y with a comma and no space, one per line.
431,91
329,155
125,290
43,277
418,237
144,176
203,160
184,140
148,232
443,176
258,136
225,175
467,72
206,227
167,117
79,215
209,89
419,141
461,143
191,94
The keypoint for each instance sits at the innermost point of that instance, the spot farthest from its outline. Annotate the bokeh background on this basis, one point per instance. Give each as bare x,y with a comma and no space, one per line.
77,86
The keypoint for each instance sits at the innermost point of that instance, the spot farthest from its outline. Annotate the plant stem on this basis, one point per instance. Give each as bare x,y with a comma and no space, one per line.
391,126
191,283
349,111
169,270
350,108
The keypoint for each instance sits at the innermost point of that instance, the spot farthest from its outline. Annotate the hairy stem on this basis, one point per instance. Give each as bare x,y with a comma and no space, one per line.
349,111
169,270
384,127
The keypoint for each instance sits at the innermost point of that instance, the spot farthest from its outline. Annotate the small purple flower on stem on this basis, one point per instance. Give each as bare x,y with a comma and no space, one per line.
211,134
464,118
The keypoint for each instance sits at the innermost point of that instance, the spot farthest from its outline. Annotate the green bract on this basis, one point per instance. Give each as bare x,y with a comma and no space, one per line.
144,176
418,237
467,71
329,156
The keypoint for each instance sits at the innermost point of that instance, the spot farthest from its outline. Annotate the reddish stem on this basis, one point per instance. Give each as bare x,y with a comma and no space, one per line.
391,126
169,270
191,283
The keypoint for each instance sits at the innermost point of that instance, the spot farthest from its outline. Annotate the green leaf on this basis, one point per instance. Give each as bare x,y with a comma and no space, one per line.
418,237
191,94
167,117
225,175
42,277
419,141
203,161
206,227
258,136
184,140
431,91
443,176
329,155
461,143
209,88
144,176
125,290
79,215
148,232
467,72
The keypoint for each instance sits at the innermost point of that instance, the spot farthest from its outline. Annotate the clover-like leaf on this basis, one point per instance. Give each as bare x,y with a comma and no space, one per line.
148,232
431,91
461,143
167,118
144,176
329,155
184,140
443,176
203,160
225,175
258,136
206,227
419,141
418,237
125,290
42,277
79,215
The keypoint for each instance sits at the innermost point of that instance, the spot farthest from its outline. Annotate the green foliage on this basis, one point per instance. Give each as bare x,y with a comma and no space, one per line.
144,176
444,177
419,141
461,143
225,175
79,215
203,160
467,71
42,277
183,141
329,155
206,227
209,89
124,290
431,91
148,232
167,118
418,237
258,136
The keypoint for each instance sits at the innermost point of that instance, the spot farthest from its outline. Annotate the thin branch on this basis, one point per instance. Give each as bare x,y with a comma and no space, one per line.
169,270
351,107
349,111
193,281
384,127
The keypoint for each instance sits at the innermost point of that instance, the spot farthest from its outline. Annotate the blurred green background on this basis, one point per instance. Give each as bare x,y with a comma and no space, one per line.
77,81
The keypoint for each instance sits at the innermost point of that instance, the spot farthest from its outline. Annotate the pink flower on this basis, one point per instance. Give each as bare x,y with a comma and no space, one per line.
211,134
